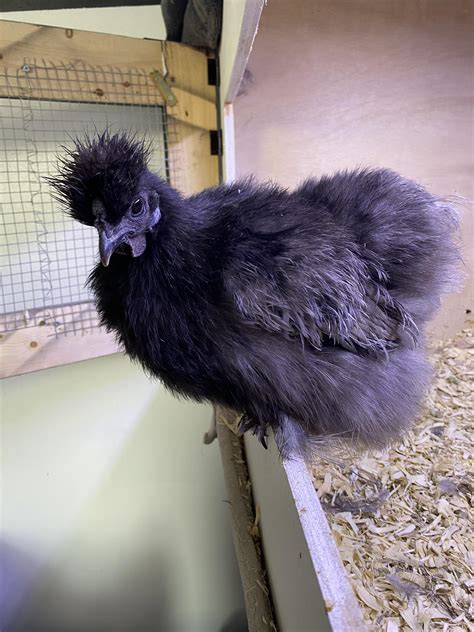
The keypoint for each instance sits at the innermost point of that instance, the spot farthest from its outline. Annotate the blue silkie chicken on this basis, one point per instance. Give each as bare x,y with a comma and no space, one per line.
304,310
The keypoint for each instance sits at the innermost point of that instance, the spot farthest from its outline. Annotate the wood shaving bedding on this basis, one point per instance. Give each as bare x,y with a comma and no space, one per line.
403,518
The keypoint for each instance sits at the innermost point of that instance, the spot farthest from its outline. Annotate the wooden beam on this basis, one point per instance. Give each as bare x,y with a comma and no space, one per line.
310,588
38,342
192,167
239,27
245,527
43,62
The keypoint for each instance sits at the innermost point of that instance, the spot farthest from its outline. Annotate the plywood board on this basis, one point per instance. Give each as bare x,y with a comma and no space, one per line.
41,343
51,63
309,587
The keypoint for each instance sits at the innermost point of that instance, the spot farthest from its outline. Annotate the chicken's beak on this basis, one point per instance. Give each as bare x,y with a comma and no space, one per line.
107,245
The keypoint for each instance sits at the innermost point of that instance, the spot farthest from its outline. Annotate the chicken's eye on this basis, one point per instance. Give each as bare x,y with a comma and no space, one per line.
137,207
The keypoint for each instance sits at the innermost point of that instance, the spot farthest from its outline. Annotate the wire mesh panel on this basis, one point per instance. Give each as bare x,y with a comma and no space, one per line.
45,257
56,84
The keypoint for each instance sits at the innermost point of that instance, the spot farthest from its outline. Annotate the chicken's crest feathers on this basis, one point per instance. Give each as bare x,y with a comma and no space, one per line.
106,165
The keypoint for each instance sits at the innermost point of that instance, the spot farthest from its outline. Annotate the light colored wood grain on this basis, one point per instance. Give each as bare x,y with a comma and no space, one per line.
20,41
310,589
112,85
239,27
192,168
40,344
53,63
193,110
244,522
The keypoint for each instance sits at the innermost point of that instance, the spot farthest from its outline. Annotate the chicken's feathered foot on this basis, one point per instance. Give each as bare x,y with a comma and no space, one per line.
247,422
289,435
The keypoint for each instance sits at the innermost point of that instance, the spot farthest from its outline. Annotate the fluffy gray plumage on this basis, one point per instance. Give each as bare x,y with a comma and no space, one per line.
303,310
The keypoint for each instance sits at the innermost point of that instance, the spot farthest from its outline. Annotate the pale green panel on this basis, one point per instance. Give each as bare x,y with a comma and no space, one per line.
114,512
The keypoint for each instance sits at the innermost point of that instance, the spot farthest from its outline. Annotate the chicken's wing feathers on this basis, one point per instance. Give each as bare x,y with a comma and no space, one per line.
355,312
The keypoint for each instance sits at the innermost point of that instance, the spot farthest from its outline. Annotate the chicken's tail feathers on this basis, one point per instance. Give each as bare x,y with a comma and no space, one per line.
452,274
411,232
447,210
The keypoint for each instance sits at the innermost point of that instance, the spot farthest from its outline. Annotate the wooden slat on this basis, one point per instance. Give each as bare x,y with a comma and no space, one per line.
51,63
245,527
193,110
58,45
239,27
38,345
310,588
192,167
18,356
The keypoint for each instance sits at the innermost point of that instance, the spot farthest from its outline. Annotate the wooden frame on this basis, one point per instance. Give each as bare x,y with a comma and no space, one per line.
239,28
32,49
309,586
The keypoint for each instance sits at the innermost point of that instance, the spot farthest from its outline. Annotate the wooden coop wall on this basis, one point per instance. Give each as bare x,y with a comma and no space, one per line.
73,75
338,85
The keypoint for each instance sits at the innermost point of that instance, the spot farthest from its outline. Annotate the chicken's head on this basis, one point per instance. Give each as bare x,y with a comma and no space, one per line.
104,182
